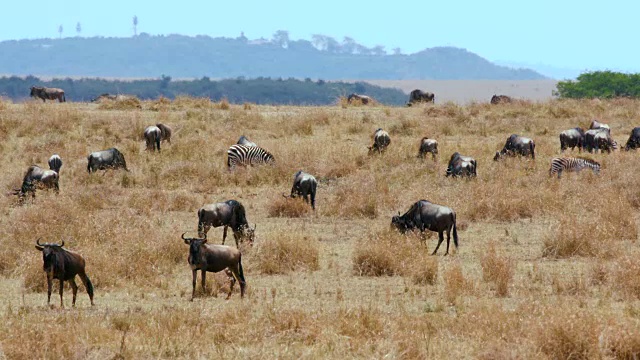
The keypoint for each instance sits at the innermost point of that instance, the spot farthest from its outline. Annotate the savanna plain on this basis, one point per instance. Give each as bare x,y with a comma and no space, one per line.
546,268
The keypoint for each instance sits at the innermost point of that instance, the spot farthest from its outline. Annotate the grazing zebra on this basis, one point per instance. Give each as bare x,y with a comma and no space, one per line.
558,165
247,155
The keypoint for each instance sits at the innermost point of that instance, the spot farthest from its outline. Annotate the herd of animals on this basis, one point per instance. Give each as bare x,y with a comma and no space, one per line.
63,265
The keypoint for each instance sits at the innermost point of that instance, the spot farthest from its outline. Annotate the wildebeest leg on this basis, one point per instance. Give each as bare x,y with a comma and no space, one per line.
440,240
203,280
61,291
224,235
193,283
74,289
448,240
49,287
232,273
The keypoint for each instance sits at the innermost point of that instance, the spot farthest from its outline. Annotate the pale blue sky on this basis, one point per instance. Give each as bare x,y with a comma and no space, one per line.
565,34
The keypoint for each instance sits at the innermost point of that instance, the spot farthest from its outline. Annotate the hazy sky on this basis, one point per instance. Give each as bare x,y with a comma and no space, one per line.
567,34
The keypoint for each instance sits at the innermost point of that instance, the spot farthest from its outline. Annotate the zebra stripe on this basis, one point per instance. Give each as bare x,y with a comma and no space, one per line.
247,155
558,165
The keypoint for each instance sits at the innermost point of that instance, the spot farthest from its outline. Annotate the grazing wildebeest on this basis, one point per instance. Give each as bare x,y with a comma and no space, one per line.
45,93
558,165
425,215
106,159
517,145
63,265
599,139
363,99
55,163
428,146
572,138
37,177
304,185
419,96
460,165
500,99
634,139
214,258
152,136
381,140
229,213
248,155
595,124
243,140
165,132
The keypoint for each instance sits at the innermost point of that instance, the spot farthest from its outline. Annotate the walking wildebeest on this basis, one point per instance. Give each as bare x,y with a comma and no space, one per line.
572,138
460,165
55,163
214,258
428,146
165,132
245,141
106,159
45,93
37,177
599,139
517,145
363,99
500,99
634,139
595,124
229,213
425,215
152,136
63,265
381,140
304,185
419,96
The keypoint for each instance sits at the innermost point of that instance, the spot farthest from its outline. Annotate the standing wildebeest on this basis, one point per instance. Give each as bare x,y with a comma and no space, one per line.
595,124
419,96
45,93
228,213
558,165
363,99
38,177
572,138
214,258
460,165
428,146
106,159
517,145
634,139
165,132
63,265
304,185
152,136
500,99
599,139
245,141
55,163
426,215
381,140
247,155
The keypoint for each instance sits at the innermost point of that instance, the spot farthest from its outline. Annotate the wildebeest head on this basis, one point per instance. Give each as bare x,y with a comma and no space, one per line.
401,223
49,252
247,233
195,245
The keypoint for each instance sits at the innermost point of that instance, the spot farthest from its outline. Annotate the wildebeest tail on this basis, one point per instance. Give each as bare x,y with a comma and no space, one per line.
455,230
532,147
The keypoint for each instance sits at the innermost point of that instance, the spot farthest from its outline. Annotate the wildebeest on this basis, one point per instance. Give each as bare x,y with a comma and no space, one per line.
243,140
37,177
599,139
500,99
229,213
304,185
165,132
460,165
428,146
419,96
152,136
55,163
381,140
45,93
595,124
634,139
63,265
214,258
106,159
572,138
517,145
558,165
425,215
363,99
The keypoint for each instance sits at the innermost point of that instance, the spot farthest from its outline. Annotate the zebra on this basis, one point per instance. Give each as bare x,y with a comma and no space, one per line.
247,155
558,165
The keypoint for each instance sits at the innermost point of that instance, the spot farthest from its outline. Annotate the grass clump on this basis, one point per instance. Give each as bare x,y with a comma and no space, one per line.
287,207
282,253
497,269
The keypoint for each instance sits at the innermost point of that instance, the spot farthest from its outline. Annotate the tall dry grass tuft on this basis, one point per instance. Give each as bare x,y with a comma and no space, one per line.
425,270
223,104
287,207
388,253
455,283
498,269
568,336
283,252
129,103
625,277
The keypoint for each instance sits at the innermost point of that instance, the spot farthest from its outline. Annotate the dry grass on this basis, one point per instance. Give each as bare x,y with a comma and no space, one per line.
546,268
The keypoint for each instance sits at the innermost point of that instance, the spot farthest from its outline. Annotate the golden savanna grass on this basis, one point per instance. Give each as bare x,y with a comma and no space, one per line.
546,268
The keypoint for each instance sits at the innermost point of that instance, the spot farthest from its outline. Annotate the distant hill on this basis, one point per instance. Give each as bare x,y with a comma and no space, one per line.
146,56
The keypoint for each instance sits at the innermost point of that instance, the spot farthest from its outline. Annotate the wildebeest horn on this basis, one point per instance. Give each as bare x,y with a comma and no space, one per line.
205,236
182,236
255,226
38,242
62,245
